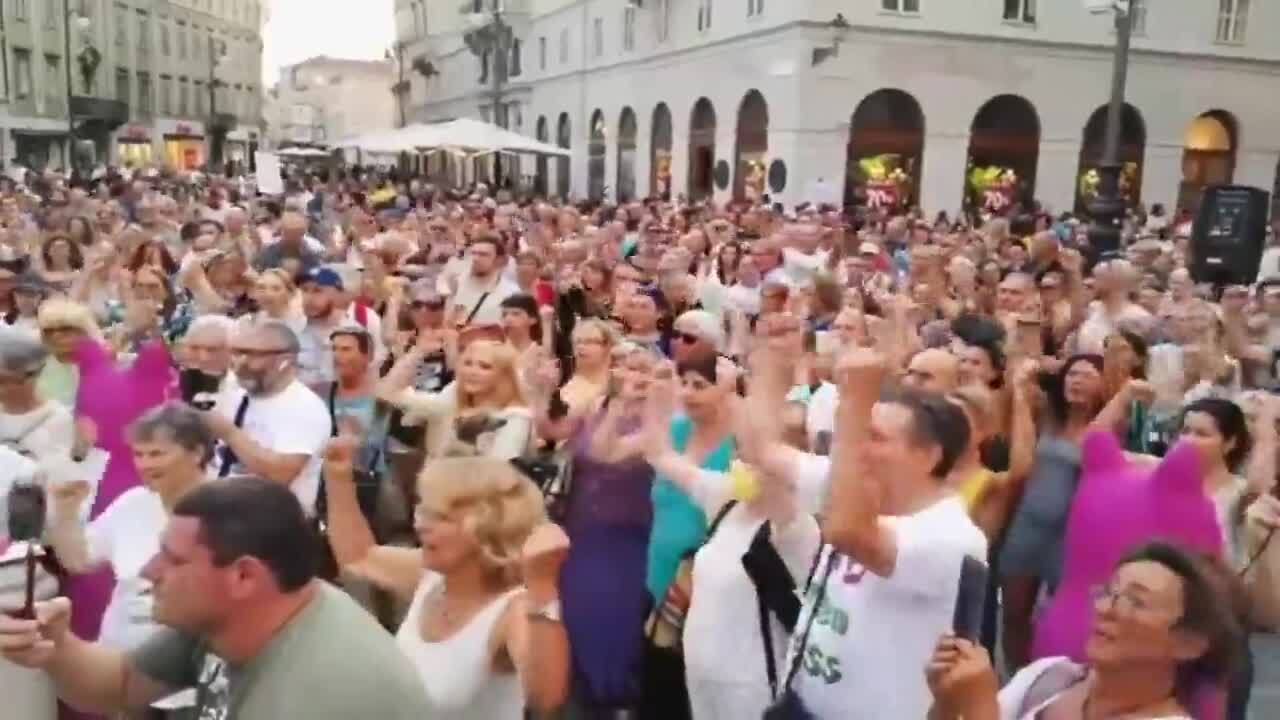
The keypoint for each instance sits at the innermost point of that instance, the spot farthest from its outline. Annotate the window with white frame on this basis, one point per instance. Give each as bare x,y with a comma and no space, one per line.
704,15
1138,15
1233,16
755,8
900,6
20,10
564,45
597,37
663,19
542,53
629,28
121,20
1020,11
22,73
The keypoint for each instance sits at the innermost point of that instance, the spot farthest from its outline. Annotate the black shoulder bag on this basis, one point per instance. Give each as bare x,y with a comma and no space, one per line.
789,706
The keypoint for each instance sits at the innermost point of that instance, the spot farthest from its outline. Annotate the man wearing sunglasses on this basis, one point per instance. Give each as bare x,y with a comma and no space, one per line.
272,426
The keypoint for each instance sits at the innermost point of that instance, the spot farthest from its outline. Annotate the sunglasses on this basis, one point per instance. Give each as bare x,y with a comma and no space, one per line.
427,304
686,338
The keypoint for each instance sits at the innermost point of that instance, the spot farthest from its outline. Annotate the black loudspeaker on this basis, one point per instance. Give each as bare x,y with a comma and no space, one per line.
1228,235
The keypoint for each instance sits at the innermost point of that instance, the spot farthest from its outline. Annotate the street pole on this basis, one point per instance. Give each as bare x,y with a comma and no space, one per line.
1109,208
501,55
71,118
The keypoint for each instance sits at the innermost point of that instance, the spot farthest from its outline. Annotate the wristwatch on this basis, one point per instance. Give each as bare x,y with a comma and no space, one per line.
549,612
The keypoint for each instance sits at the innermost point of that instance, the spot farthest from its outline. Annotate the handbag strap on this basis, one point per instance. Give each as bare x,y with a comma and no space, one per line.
766,631
228,455
798,655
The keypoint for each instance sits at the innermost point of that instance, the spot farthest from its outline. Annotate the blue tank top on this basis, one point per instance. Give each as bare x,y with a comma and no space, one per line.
678,523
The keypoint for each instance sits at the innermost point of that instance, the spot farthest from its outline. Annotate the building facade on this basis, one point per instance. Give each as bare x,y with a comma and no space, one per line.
152,82
323,100
945,103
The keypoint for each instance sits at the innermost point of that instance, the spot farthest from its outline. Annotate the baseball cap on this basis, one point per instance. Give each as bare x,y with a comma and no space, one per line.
322,276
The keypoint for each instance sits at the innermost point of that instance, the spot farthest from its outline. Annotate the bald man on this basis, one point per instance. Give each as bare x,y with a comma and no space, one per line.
933,370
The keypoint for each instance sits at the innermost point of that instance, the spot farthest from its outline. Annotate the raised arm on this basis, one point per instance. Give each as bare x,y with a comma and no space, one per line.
394,569
534,637
852,522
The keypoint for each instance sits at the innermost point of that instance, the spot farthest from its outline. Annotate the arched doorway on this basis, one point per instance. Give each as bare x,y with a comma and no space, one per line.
1133,143
627,156
885,152
563,139
752,145
702,150
660,153
1004,149
595,157
1208,155
540,173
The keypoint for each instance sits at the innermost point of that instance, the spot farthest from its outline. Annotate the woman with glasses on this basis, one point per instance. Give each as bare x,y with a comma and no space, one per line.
484,627
1165,631
63,323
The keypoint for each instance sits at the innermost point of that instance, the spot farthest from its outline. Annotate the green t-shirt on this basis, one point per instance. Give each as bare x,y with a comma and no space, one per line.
331,662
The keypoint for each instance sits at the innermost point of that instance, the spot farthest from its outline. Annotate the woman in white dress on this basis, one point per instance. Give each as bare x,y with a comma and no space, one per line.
1165,631
171,446
483,629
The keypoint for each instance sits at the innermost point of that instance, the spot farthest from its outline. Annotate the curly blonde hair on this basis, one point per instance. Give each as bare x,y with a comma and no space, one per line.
61,312
492,500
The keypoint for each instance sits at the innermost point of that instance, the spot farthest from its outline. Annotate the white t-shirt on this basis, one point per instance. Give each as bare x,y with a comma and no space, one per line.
801,267
820,415
46,431
873,635
471,291
294,421
1037,686
126,536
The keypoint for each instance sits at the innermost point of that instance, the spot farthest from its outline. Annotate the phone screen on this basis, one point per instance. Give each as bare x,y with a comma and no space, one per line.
971,599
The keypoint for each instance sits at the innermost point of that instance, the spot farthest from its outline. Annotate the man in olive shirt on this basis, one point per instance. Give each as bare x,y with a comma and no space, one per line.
249,625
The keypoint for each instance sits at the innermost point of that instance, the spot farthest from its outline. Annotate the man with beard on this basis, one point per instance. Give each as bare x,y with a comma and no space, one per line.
272,426
321,289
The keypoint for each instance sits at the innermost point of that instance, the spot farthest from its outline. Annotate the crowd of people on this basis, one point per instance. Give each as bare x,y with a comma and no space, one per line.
375,448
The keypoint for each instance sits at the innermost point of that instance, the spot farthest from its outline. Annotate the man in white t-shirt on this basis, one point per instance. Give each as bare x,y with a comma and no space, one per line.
886,589
478,298
272,427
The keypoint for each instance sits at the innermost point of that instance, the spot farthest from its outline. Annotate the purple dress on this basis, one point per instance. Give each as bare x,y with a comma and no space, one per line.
602,585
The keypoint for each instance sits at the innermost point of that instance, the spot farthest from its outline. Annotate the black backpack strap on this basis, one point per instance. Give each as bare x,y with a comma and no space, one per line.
719,518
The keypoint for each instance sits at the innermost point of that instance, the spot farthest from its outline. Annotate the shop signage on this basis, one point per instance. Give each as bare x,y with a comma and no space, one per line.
135,132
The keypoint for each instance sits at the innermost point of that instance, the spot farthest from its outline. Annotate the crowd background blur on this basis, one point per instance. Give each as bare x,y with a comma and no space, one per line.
655,459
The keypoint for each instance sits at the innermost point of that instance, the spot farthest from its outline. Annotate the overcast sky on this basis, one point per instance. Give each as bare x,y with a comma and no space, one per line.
300,29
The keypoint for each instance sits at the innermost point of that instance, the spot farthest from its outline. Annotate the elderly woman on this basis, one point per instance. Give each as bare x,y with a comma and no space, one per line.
484,629
29,424
1164,629
62,324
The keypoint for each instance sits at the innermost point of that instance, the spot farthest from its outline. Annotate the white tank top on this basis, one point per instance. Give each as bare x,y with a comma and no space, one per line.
457,672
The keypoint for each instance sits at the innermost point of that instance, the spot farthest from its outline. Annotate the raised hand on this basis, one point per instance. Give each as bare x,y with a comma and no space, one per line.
341,451
68,496
34,643
541,559
860,370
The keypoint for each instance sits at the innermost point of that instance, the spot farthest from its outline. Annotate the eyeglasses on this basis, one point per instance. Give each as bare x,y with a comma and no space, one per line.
20,379
427,304
1124,601
55,329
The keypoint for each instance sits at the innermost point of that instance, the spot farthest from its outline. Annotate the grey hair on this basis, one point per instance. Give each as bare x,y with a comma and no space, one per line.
220,324
177,422
20,353
282,332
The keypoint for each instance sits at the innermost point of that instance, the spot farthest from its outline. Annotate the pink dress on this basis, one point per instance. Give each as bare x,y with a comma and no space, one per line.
112,396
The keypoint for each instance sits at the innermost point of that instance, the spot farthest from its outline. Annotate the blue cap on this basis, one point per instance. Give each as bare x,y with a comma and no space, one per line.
322,276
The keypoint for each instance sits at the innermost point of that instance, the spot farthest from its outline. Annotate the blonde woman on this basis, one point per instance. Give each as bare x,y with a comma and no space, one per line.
62,324
484,407
276,296
483,629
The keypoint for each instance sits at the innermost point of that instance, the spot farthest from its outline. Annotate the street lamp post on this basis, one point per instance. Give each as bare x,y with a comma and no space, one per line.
82,24
217,133
1108,208
494,37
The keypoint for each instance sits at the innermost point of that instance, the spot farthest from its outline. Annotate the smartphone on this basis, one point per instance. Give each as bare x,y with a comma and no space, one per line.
26,515
971,599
